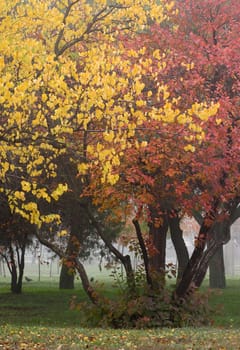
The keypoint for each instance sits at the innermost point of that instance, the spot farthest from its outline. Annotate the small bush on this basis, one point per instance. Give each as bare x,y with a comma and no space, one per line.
147,308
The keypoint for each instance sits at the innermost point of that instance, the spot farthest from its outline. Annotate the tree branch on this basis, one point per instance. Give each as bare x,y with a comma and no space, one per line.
93,296
144,251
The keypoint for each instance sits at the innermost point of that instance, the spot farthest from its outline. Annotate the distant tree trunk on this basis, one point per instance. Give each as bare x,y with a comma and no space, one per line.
16,267
179,243
217,277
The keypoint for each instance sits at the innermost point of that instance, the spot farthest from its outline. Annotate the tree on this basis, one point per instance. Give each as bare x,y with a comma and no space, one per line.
48,93
16,234
195,182
64,57
209,35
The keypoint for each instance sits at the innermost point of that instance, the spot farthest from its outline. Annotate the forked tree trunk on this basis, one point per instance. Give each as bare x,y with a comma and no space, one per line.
16,267
187,283
217,234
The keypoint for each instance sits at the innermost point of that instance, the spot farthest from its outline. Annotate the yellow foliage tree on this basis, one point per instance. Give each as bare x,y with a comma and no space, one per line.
57,79
68,86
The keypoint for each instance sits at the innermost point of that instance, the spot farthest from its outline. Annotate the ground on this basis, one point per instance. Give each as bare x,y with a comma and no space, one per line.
40,319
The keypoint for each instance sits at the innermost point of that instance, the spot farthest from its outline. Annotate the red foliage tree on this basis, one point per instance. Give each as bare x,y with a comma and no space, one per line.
201,46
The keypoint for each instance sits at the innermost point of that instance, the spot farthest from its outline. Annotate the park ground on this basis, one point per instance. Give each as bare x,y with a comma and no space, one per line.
41,319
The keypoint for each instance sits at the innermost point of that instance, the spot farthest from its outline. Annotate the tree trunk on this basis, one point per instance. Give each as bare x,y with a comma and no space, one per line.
144,252
91,293
217,234
14,284
66,280
21,264
187,283
158,237
17,268
124,259
217,277
67,274
178,243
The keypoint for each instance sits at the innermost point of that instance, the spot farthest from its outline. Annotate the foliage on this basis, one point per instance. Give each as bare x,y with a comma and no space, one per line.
58,68
208,73
184,154
75,338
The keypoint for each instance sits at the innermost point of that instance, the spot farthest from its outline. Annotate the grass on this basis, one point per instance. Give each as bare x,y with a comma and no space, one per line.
40,319
227,302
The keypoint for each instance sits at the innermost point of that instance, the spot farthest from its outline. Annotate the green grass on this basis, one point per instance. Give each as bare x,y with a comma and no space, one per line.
227,302
40,319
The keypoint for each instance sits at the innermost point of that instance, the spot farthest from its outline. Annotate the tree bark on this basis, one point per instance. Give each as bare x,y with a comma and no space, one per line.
178,243
91,293
217,234
124,259
16,268
217,277
187,283
13,271
158,236
144,252
66,280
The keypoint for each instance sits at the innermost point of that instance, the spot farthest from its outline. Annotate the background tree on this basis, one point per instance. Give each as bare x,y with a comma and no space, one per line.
16,236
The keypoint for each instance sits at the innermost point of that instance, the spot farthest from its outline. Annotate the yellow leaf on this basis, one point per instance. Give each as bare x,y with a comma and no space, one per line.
26,186
189,148
58,192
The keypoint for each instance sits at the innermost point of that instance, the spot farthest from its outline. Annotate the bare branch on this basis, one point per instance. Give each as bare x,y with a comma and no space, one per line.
91,27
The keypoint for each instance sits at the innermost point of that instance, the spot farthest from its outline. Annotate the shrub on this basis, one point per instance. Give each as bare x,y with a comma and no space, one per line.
147,308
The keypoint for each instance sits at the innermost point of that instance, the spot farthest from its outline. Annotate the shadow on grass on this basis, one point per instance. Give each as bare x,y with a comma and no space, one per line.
44,304
40,304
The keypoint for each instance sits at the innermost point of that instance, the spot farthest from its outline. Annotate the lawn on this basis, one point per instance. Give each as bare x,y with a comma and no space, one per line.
40,318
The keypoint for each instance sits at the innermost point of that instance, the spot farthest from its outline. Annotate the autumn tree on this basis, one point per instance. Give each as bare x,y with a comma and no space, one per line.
188,181
208,33
60,80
